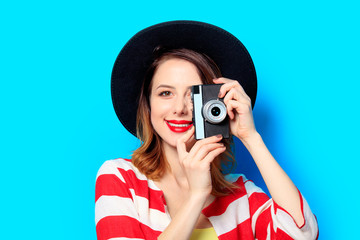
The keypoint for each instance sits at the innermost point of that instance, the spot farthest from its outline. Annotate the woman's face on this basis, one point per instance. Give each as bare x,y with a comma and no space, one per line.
171,108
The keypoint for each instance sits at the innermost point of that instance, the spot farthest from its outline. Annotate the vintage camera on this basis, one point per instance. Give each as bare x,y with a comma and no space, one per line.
209,112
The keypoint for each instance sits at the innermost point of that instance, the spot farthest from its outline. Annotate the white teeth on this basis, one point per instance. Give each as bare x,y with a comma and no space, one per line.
178,125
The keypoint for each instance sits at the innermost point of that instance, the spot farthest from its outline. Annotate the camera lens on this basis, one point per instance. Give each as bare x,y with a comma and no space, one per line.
215,111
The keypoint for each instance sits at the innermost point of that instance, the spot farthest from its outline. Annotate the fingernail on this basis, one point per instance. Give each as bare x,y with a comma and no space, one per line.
219,136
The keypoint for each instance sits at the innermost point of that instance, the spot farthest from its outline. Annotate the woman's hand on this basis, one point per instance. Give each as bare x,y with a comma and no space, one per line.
196,162
238,105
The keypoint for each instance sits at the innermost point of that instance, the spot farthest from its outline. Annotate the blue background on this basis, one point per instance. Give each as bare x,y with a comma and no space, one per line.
58,125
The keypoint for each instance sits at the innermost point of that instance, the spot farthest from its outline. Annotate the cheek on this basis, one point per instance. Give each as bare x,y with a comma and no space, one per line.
159,108
158,111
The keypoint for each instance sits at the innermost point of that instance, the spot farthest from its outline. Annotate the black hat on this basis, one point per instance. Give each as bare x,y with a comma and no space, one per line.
136,56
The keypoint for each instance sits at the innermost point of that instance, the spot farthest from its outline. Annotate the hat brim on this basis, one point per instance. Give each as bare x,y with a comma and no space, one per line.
136,56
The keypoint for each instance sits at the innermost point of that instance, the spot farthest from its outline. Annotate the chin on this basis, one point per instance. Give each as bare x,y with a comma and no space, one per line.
170,139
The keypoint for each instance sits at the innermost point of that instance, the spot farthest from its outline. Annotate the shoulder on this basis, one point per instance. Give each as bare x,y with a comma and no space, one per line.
120,167
109,165
117,177
122,173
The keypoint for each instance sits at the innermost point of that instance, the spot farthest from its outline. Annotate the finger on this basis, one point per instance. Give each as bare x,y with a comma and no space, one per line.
240,108
228,84
205,150
233,94
192,162
229,108
202,142
181,142
227,87
222,80
210,157
208,140
190,143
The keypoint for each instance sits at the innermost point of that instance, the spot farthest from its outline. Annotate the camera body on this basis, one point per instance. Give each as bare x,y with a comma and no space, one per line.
209,112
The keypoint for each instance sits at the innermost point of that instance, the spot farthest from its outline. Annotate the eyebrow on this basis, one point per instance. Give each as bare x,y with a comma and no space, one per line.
169,86
165,86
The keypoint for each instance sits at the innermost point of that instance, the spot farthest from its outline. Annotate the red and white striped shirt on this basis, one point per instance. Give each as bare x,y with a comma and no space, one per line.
130,206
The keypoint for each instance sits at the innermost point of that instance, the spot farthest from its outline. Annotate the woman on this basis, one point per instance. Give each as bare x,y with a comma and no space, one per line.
174,186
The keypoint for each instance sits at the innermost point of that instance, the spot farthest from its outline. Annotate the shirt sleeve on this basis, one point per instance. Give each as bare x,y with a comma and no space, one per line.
270,221
115,212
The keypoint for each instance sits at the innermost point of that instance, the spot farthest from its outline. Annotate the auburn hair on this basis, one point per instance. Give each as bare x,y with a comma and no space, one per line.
149,158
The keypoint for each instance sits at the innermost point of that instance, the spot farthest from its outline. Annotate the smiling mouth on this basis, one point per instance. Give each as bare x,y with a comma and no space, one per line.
179,126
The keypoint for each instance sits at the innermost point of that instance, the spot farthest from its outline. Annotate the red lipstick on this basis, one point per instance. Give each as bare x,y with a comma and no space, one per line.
179,126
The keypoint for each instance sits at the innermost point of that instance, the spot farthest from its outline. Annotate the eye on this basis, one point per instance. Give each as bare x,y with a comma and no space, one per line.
165,93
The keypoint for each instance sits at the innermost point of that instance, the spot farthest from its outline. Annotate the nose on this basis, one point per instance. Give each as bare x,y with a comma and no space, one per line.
182,106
